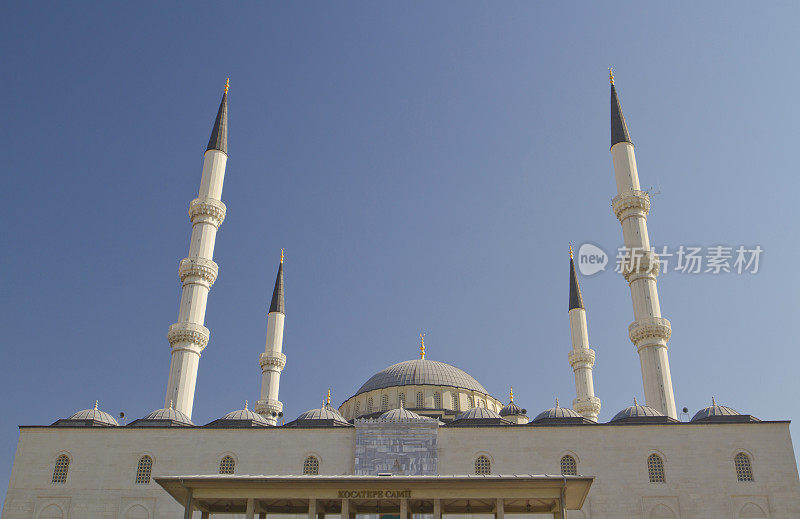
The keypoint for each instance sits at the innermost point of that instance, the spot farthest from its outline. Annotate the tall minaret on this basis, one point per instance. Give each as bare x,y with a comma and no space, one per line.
198,271
649,332
581,358
273,360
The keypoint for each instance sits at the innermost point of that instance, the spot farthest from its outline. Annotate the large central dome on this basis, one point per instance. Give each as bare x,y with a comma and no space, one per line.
421,372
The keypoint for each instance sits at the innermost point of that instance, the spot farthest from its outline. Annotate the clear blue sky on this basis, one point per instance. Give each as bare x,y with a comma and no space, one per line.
423,164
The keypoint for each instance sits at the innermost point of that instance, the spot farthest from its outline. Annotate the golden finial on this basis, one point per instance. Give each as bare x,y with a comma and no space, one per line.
245,405
511,394
557,405
95,405
570,251
281,255
328,398
713,401
227,84
170,404
611,75
422,346
635,402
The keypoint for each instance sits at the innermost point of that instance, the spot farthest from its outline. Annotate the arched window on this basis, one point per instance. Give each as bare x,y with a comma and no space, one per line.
420,400
369,405
227,465
437,400
311,466
744,471
401,400
137,512
655,469
51,512
471,401
385,403
358,410
454,401
568,466
143,470
480,403
61,469
483,465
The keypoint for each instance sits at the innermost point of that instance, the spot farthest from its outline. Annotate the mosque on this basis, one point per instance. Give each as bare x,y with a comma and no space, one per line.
419,437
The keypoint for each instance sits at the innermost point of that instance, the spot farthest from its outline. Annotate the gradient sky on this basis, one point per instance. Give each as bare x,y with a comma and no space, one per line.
424,165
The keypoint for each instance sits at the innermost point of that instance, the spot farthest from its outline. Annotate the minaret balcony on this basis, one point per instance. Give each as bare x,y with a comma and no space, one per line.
587,405
638,263
644,331
207,210
272,360
270,409
583,358
198,270
182,334
631,203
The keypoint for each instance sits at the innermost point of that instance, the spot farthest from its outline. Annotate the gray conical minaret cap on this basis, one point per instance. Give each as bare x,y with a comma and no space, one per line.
619,130
219,135
277,304
575,298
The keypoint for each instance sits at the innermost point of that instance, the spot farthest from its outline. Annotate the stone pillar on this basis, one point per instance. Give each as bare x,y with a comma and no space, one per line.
251,508
437,509
187,514
404,509
345,509
500,510
312,509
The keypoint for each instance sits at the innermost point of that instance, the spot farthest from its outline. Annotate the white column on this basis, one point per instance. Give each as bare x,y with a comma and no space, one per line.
251,508
403,508
272,361
189,507
649,332
581,358
312,509
345,509
188,337
437,509
500,511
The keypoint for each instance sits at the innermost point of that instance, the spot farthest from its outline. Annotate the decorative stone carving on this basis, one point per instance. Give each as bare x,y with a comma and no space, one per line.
207,210
273,360
193,333
651,328
631,203
638,264
587,406
198,270
581,358
269,409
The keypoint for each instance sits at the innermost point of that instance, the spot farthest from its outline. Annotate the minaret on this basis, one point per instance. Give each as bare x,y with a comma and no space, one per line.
649,332
581,358
188,337
273,360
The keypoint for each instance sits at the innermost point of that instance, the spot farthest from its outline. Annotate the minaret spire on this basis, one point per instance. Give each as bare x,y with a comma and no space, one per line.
581,358
649,332
272,361
188,337
219,134
619,130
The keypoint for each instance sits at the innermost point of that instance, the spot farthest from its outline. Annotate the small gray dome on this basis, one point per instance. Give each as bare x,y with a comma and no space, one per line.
326,412
168,414
478,413
556,412
401,415
245,415
636,411
421,372
714,410
512,409
94,415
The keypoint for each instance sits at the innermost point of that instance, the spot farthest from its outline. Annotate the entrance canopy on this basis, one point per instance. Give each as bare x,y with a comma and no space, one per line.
401,495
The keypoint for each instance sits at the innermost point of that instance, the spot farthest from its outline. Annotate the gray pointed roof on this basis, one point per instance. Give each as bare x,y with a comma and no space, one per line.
219,135
575,298
277,304
421,372
619,130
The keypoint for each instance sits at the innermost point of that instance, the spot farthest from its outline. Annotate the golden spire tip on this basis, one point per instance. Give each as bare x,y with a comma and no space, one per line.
227,84
422,346
328,398
281,255
511,394
95,405
245,405
611,75
570,251
557,405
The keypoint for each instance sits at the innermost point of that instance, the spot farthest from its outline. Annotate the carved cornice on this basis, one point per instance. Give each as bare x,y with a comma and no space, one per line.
589,405
583,358
182,333
656,328
269,409
207,210
272,360
198,270
639,264
631,203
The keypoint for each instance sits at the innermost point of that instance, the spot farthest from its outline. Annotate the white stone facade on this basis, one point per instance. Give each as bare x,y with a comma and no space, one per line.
701,480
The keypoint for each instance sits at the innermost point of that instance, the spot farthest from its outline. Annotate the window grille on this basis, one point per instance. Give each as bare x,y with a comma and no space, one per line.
454,401
385,403
61,469
655,469
358,410
568,466
143,470
369,405
311,466
483,465
227,465
420,400
744,471
437,400
401,400
471,401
